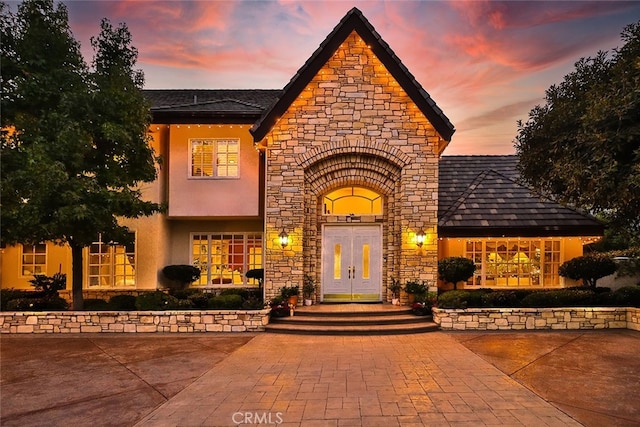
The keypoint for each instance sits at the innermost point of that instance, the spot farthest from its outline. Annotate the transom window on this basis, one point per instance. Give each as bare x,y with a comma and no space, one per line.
224,259
511,263
352,200
111,265
34,259
214,158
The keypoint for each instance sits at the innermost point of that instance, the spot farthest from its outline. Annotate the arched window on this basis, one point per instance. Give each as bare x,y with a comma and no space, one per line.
352,200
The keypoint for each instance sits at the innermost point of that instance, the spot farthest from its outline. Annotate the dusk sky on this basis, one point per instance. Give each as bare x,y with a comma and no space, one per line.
485,63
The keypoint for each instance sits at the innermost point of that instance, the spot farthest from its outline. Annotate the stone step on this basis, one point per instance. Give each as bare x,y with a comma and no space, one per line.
372,311
310,329
351,319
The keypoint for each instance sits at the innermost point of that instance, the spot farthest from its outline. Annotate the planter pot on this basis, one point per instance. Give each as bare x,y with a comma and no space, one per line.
293,300
308,302
395,301
411,298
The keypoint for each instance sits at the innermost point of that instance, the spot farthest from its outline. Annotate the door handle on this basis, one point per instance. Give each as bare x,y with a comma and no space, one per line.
349,269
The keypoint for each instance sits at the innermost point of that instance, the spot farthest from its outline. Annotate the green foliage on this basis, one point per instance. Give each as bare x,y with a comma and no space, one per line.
504,298
415,287
461,299
589,268
395,287
181,274
49,285
253,303
156,301
122,303
308,287
38,304
455,269
7,295
289,291
74,140
560,298
582,146
96,304
225,302
627,296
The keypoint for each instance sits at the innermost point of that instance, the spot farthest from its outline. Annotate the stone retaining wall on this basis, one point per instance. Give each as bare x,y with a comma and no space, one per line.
487,319
133,321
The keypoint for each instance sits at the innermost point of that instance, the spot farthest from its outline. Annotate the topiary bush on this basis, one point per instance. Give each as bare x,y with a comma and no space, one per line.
588,268
181,275
122,302
455,269
155,301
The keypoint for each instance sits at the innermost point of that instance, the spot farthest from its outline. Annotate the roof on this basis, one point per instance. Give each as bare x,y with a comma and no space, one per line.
354,20
481,196
209,105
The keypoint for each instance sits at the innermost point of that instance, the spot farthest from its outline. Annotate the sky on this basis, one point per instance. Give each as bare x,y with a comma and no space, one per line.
485,63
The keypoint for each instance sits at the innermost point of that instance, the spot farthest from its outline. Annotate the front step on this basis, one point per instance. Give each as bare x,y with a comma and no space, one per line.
356,319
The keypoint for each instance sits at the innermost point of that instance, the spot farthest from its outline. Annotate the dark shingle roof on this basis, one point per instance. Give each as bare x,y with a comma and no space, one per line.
354,20
209,106
480,196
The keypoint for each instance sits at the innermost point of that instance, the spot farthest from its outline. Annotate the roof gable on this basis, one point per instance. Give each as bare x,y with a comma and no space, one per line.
354,21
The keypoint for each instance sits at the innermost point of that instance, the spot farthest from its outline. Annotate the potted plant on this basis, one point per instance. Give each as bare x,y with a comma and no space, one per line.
290,294
413,288
395,287
308,289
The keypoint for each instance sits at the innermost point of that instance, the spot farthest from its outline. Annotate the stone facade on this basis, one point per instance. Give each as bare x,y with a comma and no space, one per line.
133,321
353,124
491,319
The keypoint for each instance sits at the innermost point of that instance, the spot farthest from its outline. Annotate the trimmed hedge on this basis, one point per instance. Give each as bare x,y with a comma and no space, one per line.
38,304
155,301
122,303
226,302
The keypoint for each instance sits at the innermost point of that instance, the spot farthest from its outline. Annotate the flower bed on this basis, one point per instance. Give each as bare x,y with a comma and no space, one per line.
486,319
182,321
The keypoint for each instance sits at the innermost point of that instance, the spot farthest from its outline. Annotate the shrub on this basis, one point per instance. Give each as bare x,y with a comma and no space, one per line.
50,285
244,294
7,295
504,298
461,298
415,287
253,303
627,296
225,302
122,302
589,268
181,274
95,304
38,304
455,269
560,298
199,300
183,293
150,301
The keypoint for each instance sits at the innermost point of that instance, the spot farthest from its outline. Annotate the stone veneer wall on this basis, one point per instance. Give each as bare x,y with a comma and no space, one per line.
352,125
488,319
133,321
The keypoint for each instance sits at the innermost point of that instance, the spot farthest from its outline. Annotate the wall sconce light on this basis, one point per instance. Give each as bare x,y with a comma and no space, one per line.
284,239
420,237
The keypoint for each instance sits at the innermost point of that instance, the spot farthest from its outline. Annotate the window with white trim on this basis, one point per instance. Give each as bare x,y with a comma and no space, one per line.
111,265
504,263
34,259
224,259
214,158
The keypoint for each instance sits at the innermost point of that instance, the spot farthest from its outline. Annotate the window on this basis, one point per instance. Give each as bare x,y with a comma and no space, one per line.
353,200
34,259
111,265
514,263
224,259
214,158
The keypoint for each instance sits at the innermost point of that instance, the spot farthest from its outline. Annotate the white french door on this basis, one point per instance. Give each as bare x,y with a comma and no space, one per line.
351,263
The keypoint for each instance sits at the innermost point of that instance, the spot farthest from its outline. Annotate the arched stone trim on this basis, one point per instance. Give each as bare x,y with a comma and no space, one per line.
352,169
354,146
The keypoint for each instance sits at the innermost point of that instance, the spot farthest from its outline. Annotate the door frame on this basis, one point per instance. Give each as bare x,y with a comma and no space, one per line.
379,242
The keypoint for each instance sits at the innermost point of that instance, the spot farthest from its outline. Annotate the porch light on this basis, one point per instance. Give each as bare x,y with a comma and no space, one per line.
420,236
284,239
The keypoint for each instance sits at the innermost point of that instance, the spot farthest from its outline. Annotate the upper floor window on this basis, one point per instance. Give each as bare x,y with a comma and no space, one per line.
353,200
111,265
34,259
214,158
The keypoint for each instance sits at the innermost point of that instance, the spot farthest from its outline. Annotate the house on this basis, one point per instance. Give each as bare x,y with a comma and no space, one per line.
340,175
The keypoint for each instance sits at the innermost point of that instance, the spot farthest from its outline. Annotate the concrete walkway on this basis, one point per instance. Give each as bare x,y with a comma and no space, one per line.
530,379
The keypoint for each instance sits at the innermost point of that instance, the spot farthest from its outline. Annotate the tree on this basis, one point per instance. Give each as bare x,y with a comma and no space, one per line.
589,268
455,269
181,275
583,146
74,142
